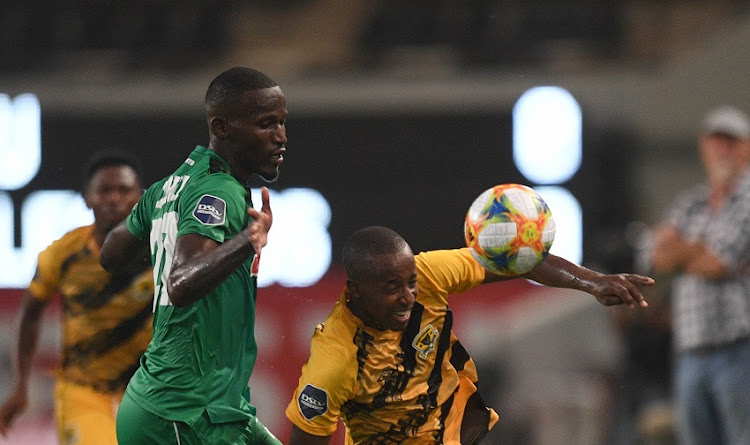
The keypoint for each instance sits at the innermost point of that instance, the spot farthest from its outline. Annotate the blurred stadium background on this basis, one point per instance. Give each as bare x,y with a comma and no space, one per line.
400,114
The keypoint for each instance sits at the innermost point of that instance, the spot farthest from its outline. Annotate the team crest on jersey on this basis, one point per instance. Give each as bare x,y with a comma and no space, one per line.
425,341
312,401
210,210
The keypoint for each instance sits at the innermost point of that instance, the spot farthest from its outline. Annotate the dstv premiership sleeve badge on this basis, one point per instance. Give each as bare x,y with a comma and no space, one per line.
312,402
210,210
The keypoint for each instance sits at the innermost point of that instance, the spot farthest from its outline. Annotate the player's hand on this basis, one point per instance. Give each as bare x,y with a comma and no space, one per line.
622,288
261,223
11,409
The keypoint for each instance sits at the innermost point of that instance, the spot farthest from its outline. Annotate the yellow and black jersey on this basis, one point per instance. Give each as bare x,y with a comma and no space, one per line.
106,319
416,386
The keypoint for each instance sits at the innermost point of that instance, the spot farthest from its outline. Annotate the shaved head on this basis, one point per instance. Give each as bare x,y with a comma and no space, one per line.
366,248
230,86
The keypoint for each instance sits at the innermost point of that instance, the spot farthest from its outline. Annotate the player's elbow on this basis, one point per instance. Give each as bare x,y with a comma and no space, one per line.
179,289
178,300
177,294
106,262
109,261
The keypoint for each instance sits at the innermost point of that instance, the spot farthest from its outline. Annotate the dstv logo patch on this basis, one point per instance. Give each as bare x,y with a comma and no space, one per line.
210,210
312,401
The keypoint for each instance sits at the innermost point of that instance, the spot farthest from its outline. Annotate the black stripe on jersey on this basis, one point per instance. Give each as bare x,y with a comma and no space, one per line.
363,341
74,257
445,409
436,377
120,382
106,340
408,426
395,381
459,356
116,384
94,299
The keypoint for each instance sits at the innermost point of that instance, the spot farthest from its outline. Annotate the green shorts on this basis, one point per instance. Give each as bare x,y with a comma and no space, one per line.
136,426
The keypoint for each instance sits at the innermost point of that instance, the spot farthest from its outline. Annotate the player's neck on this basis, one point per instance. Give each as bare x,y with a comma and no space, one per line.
99,234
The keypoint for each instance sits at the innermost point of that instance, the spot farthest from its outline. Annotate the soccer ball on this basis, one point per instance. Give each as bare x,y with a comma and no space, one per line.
509,229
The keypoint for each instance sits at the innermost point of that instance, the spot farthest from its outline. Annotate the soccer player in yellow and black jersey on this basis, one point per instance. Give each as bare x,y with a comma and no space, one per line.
106,319
386,360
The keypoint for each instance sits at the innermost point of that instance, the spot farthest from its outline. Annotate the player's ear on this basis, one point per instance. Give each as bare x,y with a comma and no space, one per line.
218,127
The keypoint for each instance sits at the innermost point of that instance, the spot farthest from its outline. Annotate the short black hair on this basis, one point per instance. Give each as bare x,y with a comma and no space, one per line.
366,245
232,83
111,157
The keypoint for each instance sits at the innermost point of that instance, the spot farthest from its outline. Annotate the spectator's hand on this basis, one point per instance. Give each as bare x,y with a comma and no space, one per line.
261,224
672,252
666,237
622,288
669,252
11,409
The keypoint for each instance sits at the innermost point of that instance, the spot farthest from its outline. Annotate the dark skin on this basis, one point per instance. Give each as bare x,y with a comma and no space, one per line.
384,298
251,136
111,193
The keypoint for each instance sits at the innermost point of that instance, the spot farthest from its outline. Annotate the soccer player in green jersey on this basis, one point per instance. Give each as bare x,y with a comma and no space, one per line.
204,240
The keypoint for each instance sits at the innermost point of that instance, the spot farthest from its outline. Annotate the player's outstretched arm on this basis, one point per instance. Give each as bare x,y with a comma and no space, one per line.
300,437
608,289
28,333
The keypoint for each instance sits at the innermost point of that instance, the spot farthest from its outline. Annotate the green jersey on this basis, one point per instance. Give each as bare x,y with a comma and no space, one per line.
201,356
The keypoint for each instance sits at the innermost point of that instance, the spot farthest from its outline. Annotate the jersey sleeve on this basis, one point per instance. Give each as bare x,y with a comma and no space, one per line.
444,272
138,221
328,380
46,281
215,207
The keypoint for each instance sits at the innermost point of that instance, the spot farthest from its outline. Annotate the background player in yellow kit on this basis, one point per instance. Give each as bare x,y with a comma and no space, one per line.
106,319
386,360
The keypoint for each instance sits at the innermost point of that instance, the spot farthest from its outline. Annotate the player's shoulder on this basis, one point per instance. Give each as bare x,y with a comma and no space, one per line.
71,240
433,261
443,255
203,169
335,335
448,271
333,357
222,185
52,257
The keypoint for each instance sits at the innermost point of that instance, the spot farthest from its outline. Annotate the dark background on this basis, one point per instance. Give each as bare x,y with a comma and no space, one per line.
415,173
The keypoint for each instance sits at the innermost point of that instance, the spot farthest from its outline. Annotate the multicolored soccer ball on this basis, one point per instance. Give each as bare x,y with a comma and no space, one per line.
509,229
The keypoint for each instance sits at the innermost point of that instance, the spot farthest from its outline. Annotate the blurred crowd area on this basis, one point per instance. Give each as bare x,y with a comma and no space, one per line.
313,35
